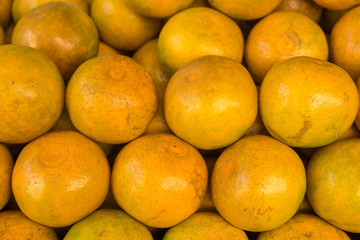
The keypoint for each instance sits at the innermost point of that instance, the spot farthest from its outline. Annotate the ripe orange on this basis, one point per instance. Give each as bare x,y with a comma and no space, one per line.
5,12
14,225
304,227
111,99
333,184
196,32
60,178
357,119
159,180
211,102
69,40
245,9
105,49
307,7
345,43
205,226
32,94
336,4
120,26
307,102
282,35
6,167
108,224
258,183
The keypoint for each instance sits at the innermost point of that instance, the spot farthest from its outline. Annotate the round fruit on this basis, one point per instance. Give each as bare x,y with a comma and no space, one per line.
14,225
6,167
69,40
245,9
211,102
60,178
334,183
258,183
159,180
304,227
32,94
307,102
5,12
105,49
196,32
122,27
307,7
111,99
207,204
205,226
282,35
345,43
336,4
357,119
108,224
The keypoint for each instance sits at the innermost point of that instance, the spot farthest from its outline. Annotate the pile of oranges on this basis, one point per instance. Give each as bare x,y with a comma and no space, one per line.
175,120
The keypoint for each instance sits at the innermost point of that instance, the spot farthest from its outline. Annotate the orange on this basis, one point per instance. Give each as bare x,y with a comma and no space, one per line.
307,102
108,224
5,12
196,32
111,99
14,225
345,43
336,4
245,9
304,227
205,226
211,102
283,35
307,7
333,184
21,7
207,204
120,26
105,49
34,93
305,206
6,167
60,178
69,40
357,119
159,180
258,183
147,55
159,8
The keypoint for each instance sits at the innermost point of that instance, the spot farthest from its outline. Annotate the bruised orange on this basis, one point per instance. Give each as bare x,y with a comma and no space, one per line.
111,99
211,102
14,225
108,224
205,226
32,94
307,7
60,178
6,167
159,180
307,102
69,40
197,32
258,183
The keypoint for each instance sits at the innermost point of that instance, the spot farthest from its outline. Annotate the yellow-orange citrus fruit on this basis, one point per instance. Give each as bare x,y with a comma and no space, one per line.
159,8
304,227
148,56
205,226
6,167
69,40
345,43
337,4
283,35
245,9
196,32
307,7
5,12
32,94
111,99
14,225
333,184
21,7
108,224
105,49
305,206
211,102
159,180
207,204
357,119
60,178
258,183
120,26
307,102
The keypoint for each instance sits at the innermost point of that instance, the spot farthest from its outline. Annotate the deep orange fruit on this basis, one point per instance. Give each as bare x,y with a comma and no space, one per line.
6,167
